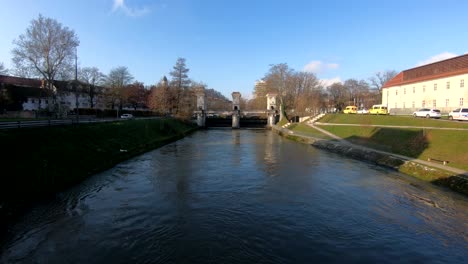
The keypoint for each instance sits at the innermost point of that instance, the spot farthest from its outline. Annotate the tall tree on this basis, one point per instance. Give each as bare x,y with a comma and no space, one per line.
306,95
380,78
117,79
136,95
45,49
94,79
278,79
180,81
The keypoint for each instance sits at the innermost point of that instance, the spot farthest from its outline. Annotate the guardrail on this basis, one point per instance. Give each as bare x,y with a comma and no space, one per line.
57,122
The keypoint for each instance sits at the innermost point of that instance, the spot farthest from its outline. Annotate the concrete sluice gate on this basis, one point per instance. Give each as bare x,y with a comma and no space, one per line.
235,119
255,122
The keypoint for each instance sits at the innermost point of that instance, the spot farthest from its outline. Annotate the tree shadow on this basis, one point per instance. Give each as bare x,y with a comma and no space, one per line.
407,142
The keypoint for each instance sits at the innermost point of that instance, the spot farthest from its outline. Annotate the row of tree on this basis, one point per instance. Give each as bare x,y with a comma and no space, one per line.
48,50
302,93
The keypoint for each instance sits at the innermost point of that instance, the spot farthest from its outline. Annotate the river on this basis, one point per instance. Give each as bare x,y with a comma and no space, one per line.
244,196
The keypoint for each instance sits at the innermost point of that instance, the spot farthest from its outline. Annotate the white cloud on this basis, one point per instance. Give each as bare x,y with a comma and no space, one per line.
438,57
328,82
318,66
129,11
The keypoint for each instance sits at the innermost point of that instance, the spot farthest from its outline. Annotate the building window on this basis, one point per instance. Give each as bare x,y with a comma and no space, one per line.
32,101
396,92
404,104
461,101
448,85
39,101
414,89
462,83
412,104
396,105
424,88
423,104
435,86
446,102
404,90
46,101
434,104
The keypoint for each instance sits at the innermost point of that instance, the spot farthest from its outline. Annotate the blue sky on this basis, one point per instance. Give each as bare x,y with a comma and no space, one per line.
229,44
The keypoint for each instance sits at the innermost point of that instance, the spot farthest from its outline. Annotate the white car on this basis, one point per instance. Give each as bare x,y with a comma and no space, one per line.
362,111
427,113
459,114
126,116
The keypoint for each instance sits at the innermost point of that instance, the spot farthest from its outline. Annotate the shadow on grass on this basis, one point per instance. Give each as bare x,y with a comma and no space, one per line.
411,143
407,142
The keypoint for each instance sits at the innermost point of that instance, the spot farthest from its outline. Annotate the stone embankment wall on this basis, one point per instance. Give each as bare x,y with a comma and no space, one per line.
458,183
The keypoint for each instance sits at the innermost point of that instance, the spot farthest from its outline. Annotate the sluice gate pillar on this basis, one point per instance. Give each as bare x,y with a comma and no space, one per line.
271,109
201,107
236,110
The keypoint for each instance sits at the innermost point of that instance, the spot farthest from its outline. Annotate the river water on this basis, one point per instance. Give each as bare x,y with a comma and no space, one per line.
244,196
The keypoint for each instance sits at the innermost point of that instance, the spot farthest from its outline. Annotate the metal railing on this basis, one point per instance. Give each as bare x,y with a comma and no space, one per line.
58,122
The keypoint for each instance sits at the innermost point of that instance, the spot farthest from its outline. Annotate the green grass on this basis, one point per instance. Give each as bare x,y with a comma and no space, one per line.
39,161
412,142
306,130
282,122
390,121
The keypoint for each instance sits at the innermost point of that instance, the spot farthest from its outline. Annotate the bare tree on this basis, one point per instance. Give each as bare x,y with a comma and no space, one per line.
305,94
116,81
339,95
278,79
94,79
136,95
3,70
45,49
380,78
180,81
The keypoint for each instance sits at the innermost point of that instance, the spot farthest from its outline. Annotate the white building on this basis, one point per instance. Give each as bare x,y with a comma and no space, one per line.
438,85
34,96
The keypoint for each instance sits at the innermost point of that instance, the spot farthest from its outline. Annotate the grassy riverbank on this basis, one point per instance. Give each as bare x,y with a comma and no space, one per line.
412,142
41,161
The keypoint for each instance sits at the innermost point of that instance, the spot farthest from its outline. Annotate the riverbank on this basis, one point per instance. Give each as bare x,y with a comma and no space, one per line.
39,162
406,165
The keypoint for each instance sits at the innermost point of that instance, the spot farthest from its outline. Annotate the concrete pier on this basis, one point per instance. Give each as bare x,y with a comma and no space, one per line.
236,110
201,107
271,109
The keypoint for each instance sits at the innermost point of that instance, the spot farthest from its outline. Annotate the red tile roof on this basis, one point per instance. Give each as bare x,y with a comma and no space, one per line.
441,69
18,81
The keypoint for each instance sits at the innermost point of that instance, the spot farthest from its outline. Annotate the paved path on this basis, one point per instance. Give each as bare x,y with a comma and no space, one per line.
439,128
440,166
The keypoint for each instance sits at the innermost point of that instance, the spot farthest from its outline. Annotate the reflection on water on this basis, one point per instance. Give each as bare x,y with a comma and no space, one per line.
244,196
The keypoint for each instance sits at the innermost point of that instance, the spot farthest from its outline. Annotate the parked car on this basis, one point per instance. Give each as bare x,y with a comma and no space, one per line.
378,110
350,109
362,111
126,116
427,113
459,114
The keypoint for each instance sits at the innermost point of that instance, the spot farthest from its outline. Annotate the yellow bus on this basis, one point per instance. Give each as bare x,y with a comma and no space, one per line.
378,110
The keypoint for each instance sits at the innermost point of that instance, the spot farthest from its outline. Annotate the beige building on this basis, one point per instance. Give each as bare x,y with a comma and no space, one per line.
438,85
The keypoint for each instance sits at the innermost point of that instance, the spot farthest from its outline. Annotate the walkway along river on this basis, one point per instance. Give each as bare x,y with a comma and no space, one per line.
244,196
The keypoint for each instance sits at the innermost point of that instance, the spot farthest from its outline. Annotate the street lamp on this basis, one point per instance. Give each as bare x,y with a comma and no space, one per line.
76,86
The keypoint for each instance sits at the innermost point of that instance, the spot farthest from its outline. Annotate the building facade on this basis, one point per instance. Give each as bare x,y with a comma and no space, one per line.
438,85
31,95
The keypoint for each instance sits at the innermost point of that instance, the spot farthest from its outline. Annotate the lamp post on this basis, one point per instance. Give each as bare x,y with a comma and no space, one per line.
76,86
